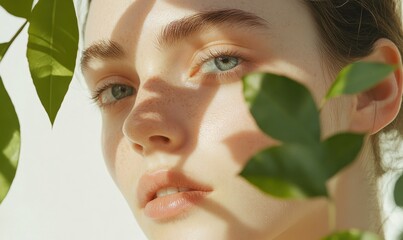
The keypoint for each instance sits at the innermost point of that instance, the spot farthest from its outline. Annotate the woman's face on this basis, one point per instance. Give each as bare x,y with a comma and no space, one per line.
176,130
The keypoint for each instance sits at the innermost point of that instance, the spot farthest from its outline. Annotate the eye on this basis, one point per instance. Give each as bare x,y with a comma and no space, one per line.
220,64
113,93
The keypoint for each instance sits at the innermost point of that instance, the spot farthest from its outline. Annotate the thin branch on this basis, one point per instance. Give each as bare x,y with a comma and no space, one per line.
13,38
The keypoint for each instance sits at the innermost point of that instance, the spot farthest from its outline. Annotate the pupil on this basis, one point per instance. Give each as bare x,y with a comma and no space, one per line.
224,60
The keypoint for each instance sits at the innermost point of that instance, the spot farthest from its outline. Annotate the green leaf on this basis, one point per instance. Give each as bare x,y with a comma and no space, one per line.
288,171
282,108
18,8
358,77
3,49
301,166
300,170
352,235
398,192
341,150
52,51
9,142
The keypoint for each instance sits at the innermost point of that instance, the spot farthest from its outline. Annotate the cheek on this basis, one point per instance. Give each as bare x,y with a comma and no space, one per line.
120,159
243,138
110,142
228,122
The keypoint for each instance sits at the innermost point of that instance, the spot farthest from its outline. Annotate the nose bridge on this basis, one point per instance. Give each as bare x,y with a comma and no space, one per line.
155,123
154,97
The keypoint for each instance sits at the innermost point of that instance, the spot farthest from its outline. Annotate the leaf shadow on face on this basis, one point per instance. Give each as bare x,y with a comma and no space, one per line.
245,144
167,100
186,105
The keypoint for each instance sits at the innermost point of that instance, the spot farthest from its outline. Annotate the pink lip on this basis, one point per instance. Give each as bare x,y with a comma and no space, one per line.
170,205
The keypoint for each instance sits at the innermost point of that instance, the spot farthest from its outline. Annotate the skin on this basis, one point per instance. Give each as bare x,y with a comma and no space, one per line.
203,115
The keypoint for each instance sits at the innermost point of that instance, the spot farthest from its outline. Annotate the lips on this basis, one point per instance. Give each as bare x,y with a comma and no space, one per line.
165,194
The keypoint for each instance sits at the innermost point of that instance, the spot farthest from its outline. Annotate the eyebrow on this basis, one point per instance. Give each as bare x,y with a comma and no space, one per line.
177,31
104,49
183,28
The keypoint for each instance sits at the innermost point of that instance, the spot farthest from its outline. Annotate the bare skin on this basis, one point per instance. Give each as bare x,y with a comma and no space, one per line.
173,103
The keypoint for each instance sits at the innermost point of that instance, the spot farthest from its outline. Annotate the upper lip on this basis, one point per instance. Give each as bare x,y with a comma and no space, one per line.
150,183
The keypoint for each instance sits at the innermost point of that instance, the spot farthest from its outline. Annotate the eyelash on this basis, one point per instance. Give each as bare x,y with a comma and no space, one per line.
97,93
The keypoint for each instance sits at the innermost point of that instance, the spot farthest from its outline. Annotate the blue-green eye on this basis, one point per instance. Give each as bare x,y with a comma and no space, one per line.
115,92
220,64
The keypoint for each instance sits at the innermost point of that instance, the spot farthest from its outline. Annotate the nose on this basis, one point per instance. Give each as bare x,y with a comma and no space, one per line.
155,123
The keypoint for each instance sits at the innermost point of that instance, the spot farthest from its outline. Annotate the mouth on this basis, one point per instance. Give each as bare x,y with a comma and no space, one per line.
166,194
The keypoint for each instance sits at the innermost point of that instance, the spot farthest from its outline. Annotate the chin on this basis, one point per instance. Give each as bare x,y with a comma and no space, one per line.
199,224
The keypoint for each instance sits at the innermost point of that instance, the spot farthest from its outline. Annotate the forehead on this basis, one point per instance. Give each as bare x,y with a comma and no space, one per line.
125,20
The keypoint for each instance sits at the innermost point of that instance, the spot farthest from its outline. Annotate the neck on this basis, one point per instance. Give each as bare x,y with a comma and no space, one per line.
355,194
354,200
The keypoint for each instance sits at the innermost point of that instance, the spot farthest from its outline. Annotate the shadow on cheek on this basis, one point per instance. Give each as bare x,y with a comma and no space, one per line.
244,145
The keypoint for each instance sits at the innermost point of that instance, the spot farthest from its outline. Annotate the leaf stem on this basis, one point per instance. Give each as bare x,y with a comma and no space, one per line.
322,104
13,38
332,215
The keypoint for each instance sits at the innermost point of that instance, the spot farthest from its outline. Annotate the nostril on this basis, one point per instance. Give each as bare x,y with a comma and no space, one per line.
153,142
138,147
160,139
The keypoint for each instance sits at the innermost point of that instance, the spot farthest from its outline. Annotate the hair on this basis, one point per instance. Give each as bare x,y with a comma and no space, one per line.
349,29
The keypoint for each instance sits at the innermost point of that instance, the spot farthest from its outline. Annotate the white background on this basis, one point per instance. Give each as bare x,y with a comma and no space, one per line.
62,189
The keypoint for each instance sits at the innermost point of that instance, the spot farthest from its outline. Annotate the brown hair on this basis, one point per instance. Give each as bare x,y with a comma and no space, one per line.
349,29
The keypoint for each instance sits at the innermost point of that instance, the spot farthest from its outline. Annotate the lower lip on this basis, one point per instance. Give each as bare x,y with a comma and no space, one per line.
173,205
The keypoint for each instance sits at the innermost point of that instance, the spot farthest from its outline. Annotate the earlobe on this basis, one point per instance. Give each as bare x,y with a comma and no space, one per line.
377,107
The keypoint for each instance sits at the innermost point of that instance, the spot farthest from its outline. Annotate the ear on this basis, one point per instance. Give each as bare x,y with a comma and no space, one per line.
377,107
